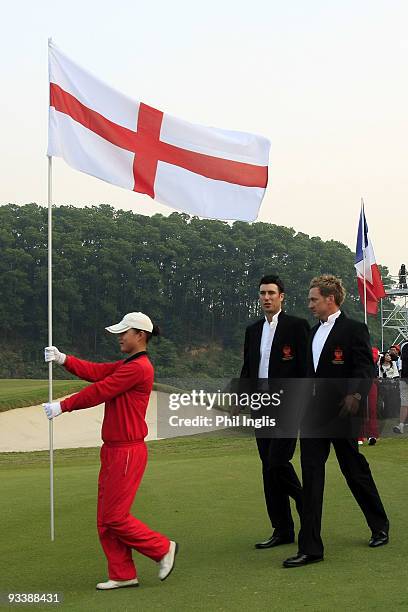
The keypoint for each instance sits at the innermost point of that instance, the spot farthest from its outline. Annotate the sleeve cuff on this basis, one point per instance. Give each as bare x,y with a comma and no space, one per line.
64,407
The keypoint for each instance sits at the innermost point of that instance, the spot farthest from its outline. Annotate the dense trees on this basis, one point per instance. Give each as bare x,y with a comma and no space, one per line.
196,278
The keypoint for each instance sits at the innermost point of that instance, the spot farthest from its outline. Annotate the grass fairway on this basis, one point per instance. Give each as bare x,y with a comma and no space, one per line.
17,393
206,494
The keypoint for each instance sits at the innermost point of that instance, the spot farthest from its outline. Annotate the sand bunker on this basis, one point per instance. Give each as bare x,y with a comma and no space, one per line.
27,429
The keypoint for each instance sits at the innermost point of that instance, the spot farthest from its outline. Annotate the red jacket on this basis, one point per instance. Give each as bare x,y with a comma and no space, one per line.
124,386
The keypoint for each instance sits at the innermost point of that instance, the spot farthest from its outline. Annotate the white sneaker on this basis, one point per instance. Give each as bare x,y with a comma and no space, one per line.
117,584
166,565
398,429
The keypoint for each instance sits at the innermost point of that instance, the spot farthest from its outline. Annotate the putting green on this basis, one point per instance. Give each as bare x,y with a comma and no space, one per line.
205,492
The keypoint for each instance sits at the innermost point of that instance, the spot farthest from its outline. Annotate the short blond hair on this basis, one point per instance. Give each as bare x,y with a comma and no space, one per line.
328,284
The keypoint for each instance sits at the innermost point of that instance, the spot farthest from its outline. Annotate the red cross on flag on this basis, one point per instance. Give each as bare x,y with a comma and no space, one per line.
205,171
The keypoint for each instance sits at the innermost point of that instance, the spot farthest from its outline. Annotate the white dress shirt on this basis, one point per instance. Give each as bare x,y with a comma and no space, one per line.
268,333
321,335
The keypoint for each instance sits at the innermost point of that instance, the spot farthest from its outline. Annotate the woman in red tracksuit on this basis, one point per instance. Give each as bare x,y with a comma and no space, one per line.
125,387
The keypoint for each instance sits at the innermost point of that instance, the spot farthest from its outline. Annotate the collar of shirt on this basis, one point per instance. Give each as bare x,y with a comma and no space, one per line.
268,334
331,318
274,319
135,356
321,335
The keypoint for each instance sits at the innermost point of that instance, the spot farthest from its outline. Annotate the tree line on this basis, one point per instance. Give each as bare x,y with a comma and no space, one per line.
197,279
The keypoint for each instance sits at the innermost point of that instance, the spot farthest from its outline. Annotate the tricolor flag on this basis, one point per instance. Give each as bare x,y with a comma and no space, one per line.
203,171
367,268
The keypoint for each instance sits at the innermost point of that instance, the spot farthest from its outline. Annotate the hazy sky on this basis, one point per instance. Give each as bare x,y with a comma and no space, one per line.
324,80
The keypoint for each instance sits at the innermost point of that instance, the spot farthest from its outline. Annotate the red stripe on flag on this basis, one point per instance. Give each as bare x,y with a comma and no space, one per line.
216,168
149,122
375,290
149,149
372,300
377,282
93,121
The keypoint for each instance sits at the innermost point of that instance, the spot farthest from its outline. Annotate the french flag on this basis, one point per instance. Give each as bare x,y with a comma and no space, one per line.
366,266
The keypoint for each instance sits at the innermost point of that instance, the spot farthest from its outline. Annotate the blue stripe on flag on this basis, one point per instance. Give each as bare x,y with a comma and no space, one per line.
359,246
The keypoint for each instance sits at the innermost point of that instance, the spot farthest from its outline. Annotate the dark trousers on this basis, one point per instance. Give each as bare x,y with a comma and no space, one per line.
280,482
355,469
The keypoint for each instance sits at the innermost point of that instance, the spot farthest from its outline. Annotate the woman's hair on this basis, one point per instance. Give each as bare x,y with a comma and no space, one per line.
382,360
155,332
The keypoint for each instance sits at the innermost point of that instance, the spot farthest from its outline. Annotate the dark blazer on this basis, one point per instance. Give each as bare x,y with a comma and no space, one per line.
288,351
346,354
287,367
345,366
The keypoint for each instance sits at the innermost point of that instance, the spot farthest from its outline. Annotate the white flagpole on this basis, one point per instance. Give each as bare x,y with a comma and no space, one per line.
365,288
364,259
50,394
50,390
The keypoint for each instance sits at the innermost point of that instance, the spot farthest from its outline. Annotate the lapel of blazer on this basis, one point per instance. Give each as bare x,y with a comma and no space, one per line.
335,331
256,346
280,329
310,364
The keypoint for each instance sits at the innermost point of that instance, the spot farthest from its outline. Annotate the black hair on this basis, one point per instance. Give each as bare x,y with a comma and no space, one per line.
382,358
269,279
155,332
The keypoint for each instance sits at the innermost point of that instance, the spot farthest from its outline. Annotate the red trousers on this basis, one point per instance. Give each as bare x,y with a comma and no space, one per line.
122,469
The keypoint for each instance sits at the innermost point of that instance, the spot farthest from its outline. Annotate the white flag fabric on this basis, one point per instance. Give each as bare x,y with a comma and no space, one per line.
204,171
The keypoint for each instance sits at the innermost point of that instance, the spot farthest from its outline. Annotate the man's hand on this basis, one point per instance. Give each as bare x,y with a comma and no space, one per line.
52,409
51,353
349,406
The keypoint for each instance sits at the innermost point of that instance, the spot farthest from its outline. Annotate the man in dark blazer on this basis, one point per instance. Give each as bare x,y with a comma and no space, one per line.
275,348
340,367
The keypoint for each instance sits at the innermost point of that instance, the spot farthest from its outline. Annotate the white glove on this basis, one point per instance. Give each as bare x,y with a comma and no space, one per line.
52,409
51,353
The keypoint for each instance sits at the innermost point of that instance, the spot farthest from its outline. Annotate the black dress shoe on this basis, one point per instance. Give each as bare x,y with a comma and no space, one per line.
378,539
276,540
301,559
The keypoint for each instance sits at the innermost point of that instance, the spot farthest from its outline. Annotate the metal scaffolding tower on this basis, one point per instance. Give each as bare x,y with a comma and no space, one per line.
395,316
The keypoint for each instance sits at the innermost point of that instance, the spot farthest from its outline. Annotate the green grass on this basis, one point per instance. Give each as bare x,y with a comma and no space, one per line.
206,493
18,393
